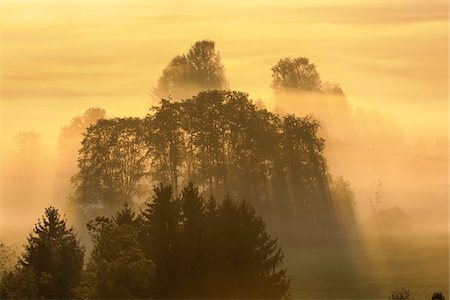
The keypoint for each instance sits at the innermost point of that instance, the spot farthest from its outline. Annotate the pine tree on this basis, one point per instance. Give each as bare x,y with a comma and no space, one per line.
54,255
159,235
248,260
192,245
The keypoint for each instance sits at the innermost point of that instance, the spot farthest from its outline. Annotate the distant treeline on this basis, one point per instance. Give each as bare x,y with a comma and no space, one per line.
176,247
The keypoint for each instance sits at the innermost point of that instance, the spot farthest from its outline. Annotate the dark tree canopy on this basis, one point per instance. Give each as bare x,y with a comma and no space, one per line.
199,69
69,143
111,164
7,255
437,296
161,220
297,74
223,143
117,268
202,250
300,74
51,264
402,294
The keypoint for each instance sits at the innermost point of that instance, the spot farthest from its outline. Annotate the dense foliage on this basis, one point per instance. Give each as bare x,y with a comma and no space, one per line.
295,73
300,74
224,144
112,162
204,250
199,69
51,264
177,247
117,268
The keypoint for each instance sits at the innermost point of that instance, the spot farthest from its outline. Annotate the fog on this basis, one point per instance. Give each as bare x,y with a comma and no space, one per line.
387,134
367,146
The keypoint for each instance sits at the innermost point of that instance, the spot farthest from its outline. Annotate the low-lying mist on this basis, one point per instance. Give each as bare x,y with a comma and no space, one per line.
368,147
399,181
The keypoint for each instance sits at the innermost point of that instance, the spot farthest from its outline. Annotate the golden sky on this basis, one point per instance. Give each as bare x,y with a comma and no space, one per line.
60,57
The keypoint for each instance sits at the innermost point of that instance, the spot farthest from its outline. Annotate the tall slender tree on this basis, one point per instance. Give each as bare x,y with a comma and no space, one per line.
50,267
159,236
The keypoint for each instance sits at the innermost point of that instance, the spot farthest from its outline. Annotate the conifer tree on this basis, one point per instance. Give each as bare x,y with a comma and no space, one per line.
159,236
51,264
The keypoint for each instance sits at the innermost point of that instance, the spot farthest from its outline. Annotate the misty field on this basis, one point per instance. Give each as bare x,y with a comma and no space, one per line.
370,271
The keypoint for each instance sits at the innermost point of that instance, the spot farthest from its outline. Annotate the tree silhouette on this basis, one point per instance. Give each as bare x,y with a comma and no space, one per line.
29,156
224,144
21,283
199,69
376,202
117,268
51,264
111,164
163,137
295,74
344,203
68,145
300,74
71,135
7,255
202,250
159,235
401,295
192,246
437,296
247,261
7,284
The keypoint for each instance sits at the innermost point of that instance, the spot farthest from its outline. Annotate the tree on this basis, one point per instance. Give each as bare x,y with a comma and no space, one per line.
300,180
29,146
437,296
401,295
192,245
159,236
204,135
117,268
51,264
204,251
9,286
225,145
343,202
163,137
295,74
332,89
29,156
376,202
71,135
68,145
7,256
247,260
112,162
300,74
22,283
199,69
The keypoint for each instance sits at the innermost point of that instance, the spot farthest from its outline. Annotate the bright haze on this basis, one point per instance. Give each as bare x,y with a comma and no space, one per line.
390,57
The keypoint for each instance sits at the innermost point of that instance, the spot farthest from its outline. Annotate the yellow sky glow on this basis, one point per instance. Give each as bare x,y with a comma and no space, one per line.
60,57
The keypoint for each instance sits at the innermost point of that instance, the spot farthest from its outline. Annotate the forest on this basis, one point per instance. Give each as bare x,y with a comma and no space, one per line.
195,200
